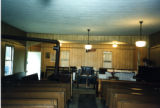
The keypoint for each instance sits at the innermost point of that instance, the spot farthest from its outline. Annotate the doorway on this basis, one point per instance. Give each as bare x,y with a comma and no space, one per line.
34,63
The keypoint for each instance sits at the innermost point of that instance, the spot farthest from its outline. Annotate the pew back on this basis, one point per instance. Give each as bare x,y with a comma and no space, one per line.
36,89
60,96
29,103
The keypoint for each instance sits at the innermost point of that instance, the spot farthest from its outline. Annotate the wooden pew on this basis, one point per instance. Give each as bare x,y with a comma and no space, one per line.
110,94
36,89
115,94
60,96
136,101
110,83
137,105
29,103
124,84
56,84
46,84
110,88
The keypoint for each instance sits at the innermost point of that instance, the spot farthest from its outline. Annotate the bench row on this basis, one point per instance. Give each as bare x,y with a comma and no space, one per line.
126,94
60,92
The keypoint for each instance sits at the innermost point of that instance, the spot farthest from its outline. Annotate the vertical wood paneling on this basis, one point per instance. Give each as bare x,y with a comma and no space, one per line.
19,56
143,54
76,57
155,55
155,48
123,57
45,47
93,39
99,61
90,59
10,30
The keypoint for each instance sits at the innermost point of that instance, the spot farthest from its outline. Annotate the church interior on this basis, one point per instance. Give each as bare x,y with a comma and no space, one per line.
80,54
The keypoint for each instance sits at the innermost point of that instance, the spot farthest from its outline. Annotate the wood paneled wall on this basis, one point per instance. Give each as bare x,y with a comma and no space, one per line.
155,55
45,47
154,39
93,39
123,57
155,48
19,53
10,30
19,56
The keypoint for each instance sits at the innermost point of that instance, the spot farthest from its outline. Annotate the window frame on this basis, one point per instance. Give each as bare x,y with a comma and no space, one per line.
11,60
108,61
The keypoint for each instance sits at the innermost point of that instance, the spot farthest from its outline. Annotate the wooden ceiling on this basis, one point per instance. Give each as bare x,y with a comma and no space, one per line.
74,17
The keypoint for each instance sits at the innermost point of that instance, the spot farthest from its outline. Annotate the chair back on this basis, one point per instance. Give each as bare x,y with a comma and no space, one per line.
86,70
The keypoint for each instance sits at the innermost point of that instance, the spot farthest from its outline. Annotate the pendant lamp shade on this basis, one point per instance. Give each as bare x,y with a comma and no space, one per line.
141,43
88,46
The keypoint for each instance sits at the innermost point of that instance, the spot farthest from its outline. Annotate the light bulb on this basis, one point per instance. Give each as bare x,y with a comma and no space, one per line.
114,45
140,43
88,47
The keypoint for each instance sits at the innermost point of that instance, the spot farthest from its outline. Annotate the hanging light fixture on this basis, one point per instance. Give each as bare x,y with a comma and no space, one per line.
88,46
141,43
114,44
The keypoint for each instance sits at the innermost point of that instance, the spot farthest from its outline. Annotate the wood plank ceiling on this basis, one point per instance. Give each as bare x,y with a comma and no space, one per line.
73,17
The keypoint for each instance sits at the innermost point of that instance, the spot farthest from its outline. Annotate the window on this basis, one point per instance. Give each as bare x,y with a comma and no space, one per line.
64,59
9,60
107,59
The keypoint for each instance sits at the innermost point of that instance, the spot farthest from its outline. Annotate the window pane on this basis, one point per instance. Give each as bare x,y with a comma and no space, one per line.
8,53
8,67
64,59
9,60
107,59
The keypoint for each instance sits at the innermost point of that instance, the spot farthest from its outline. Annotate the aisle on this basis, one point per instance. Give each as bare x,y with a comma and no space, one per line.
85,98
87,101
